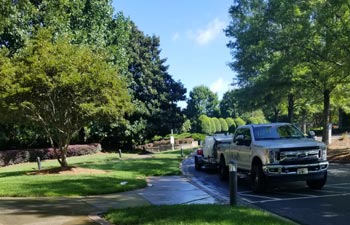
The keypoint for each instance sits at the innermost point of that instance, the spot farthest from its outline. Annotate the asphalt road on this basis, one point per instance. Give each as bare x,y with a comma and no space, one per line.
295,201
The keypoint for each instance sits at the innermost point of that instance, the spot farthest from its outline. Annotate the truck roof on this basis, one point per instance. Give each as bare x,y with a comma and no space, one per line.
223,137
265,124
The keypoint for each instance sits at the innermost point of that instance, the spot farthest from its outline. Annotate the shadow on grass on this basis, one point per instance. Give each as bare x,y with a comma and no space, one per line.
14,173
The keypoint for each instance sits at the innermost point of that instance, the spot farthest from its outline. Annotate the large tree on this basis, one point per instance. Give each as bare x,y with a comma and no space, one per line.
154,92
202,101
290,46
61,87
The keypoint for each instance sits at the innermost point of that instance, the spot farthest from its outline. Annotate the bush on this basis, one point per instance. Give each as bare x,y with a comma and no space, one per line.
198,136
205,124
30,155
224,126
217,124
231,125
253,120
239,122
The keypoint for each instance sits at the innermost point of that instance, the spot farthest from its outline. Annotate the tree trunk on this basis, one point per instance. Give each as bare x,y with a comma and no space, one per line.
290,108
304,121
326,110
276,114
64,162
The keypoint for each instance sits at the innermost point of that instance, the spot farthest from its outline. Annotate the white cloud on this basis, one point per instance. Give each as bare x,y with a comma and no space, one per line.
220,86
209,33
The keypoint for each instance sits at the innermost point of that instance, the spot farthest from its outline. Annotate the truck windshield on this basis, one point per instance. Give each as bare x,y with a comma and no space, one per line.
276,132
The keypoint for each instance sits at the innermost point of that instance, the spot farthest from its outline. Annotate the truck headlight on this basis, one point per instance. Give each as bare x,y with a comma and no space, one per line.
323,153
272,155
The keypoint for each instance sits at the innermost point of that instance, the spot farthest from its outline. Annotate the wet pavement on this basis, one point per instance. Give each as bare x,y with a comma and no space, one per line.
174,190
86,210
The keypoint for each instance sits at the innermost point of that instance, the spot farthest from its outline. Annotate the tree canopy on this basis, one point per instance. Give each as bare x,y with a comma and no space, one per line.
284,48
62,87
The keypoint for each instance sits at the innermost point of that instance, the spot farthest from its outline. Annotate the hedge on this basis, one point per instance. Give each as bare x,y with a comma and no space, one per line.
10,157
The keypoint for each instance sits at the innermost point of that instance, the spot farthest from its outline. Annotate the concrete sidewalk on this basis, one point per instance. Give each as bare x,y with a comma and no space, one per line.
85,210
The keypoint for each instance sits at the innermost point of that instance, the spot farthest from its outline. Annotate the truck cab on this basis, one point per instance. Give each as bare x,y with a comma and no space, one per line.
277,151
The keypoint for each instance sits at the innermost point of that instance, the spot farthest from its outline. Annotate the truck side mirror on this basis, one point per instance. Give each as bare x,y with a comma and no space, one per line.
239,140
311,134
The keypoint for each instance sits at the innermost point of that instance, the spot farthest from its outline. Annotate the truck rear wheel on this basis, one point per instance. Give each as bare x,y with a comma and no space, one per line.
223,170
317,184
258,179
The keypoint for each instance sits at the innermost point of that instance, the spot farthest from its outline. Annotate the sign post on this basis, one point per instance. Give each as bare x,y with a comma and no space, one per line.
172,140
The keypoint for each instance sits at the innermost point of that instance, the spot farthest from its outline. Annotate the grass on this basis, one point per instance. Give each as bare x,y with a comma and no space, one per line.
191,215
15,180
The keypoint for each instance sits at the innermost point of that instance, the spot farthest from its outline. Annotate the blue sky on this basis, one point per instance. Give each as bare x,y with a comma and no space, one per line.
191,38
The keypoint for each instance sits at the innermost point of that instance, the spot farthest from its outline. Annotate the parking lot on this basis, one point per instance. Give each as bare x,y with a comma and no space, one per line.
295,201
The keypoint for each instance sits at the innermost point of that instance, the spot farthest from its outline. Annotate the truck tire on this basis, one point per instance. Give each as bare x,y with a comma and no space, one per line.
258,179
197,164
223,170
318,183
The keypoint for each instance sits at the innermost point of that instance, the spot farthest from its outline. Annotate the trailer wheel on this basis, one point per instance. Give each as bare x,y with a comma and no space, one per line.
197,164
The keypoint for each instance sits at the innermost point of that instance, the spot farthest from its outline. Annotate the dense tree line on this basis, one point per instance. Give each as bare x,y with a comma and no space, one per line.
75,70
291,55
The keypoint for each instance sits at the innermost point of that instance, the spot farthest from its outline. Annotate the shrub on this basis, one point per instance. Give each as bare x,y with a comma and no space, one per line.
224,126
252,120
205,124
239,121
231,125
30,155
217,124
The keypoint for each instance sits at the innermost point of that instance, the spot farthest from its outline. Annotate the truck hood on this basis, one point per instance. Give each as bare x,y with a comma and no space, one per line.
288,143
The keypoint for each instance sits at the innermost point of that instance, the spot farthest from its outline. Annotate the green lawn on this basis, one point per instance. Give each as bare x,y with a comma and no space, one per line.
191,215
15,180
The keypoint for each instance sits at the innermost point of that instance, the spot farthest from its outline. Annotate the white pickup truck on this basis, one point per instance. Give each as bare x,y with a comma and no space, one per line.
267,152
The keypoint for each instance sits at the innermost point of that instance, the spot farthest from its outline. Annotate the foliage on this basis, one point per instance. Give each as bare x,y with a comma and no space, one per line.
284,49
252,120
239,121
231,124
217,125
229,104
154,92
205,124
224,126
61,87
201,101
186,126
30,155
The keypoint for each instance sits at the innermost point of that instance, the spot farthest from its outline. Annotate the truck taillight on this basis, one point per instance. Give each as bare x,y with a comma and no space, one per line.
199,151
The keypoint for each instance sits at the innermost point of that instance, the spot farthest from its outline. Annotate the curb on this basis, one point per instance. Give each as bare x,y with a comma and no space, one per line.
98,219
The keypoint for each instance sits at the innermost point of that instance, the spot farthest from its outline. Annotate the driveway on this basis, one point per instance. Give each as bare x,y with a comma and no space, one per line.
292,200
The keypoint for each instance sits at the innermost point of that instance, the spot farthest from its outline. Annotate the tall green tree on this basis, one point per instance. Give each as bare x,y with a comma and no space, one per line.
202,101
228,104
155,93
291,46
61,87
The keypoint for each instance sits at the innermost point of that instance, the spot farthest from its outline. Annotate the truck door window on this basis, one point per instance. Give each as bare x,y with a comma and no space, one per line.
243,137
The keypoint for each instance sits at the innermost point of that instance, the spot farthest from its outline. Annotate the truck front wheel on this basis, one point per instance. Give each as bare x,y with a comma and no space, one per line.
223,170
317,184
258,179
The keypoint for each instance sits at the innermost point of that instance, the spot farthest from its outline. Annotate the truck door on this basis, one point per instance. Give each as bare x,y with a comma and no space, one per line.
243,140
